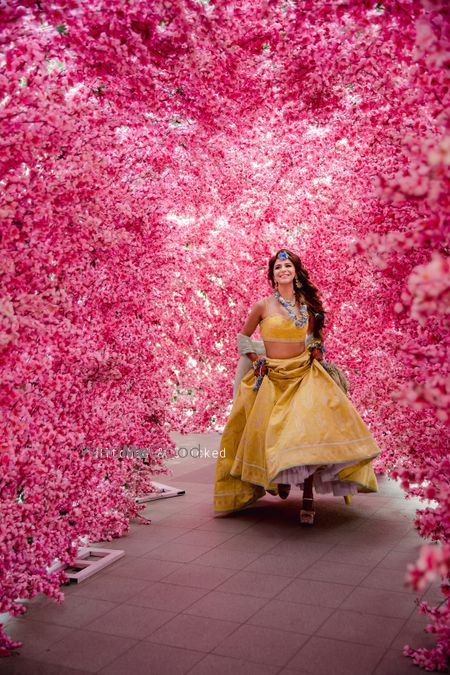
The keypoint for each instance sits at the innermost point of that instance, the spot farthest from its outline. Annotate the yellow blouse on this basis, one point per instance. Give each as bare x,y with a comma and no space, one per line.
279,328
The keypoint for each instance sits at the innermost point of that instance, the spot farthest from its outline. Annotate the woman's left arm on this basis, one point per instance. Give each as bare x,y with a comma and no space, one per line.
315,332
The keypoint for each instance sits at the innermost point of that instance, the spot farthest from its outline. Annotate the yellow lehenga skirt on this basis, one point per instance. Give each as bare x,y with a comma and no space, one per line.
299,423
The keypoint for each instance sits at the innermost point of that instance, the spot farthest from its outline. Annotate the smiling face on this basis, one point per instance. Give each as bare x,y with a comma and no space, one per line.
283,271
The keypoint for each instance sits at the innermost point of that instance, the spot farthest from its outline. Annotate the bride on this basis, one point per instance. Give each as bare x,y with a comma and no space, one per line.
290,424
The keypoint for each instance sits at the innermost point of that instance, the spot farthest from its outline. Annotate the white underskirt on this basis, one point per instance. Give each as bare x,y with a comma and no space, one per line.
325,480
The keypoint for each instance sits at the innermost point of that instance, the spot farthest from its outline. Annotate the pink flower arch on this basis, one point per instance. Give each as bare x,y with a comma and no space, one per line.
153,156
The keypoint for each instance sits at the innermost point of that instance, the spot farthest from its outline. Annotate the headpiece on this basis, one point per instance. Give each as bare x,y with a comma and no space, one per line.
283,255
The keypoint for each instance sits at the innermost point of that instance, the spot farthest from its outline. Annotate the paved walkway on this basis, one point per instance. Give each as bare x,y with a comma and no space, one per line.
254,593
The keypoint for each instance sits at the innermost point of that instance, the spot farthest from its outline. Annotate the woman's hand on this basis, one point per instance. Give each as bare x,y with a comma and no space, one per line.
317,354
259,365
260,370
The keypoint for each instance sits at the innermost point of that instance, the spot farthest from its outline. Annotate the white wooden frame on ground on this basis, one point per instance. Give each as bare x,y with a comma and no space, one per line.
83,568
164,491
92,559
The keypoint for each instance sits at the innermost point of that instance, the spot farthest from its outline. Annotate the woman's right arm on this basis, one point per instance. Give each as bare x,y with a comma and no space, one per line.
250,326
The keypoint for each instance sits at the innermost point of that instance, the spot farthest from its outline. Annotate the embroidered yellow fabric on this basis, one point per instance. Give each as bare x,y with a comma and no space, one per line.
279,328
299,417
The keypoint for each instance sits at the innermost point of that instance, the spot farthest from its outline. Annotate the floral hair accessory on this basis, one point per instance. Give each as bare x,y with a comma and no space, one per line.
282,255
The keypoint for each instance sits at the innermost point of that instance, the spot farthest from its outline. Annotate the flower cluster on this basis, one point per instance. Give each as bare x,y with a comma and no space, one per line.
143,143
433,564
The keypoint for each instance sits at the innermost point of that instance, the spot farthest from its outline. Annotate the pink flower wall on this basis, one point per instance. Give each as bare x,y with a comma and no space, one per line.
153,156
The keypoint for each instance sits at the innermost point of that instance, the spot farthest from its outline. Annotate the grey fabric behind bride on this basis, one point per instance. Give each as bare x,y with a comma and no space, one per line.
244,364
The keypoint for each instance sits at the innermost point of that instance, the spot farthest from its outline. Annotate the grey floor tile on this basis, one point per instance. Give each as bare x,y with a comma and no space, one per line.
394,663
323,656
317,593
74,611
228,558
20,665
187,631
262,645
291,616
174,552
224,665
252,583
86,650
323,570
169,597
366,629
228,606
36,636
199,576
147,657
130,621
382,603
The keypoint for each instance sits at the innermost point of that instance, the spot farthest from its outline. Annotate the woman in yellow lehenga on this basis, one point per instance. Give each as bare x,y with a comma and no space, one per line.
290,422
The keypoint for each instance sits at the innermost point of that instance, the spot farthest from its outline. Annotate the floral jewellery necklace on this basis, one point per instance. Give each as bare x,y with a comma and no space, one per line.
291,303
299,322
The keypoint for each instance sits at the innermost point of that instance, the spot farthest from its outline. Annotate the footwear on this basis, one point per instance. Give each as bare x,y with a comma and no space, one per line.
307,515
283,490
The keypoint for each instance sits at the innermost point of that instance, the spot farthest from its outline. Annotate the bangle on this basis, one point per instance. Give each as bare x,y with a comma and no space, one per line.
259,378
316,344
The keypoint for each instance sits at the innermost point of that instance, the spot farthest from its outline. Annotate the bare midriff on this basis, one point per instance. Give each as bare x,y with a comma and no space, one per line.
283,350
275,349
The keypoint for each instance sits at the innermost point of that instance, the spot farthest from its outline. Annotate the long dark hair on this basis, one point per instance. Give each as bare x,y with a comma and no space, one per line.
309,292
